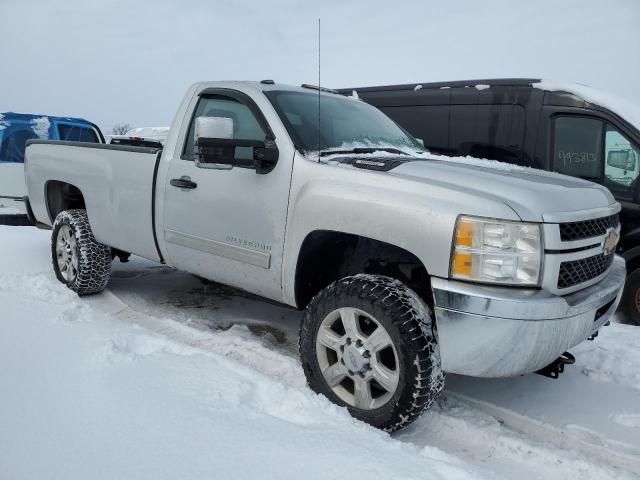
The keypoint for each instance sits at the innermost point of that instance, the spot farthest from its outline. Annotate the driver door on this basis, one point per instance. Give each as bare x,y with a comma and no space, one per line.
226,222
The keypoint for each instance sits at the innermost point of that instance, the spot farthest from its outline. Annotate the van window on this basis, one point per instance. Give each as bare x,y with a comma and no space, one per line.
495,132
427,122
76,133
622,163
577,146
245,124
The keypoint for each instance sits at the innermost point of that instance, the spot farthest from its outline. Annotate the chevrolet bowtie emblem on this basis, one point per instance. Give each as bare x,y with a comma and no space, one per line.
610,242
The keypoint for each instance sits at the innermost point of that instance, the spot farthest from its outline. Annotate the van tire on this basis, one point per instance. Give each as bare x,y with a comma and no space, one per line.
630,303
411,330
79,261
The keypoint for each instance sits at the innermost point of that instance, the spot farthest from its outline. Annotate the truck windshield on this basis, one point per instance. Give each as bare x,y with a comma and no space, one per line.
345,124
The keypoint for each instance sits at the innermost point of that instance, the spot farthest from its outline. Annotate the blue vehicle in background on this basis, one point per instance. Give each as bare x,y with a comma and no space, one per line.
15,130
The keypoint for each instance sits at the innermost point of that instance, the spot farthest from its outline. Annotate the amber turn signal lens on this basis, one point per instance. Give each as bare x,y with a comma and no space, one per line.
491,250
464,234
462,264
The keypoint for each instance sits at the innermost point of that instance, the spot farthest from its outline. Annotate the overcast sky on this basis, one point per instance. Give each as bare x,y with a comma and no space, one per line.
119,61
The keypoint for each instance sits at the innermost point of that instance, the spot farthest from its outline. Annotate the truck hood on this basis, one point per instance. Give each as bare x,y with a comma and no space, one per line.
533,194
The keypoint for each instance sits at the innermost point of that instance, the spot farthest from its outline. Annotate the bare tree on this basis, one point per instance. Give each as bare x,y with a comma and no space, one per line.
120,128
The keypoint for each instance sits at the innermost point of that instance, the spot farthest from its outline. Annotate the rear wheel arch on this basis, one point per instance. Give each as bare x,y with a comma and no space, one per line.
60,196
328,255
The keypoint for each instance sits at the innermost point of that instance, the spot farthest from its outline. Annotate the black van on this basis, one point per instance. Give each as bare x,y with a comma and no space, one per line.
528,122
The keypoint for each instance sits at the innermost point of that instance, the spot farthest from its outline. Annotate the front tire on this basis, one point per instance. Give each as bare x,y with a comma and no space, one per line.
369,343
630,302
79,261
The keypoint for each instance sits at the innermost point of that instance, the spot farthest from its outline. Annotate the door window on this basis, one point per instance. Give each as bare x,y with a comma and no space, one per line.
578,147
245,124
622,162
75,133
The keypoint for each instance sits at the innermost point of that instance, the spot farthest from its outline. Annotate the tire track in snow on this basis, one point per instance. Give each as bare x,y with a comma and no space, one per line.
615,454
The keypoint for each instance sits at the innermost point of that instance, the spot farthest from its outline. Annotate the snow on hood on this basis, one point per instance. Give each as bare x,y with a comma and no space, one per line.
530,192
482,162
625,108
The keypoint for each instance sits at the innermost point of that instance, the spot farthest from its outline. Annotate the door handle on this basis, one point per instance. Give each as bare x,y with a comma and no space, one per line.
183,182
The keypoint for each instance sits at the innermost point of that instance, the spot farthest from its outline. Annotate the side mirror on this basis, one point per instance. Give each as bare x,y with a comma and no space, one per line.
213,127
623,159
217,149
213,137
631,160
265,156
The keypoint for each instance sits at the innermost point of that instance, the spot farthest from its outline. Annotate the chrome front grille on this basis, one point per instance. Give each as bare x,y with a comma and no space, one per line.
578,248
575,272
587,228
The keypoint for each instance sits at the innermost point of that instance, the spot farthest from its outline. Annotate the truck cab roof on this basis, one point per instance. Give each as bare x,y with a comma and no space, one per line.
264,86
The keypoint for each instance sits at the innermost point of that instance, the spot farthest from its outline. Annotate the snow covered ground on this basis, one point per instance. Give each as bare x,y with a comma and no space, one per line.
8,207
162,376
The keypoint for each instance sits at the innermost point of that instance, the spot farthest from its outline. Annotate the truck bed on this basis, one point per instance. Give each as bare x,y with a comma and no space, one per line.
117,183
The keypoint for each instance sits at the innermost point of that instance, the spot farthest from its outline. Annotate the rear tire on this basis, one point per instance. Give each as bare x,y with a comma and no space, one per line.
372,334
79,261
630,302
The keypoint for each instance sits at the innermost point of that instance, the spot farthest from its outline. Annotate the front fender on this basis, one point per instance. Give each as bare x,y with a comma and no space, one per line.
412,215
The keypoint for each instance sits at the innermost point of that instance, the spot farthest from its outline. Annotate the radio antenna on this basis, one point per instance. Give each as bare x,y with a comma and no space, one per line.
319,89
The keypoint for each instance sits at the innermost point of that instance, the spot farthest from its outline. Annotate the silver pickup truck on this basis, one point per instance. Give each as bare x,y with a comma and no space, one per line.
406,265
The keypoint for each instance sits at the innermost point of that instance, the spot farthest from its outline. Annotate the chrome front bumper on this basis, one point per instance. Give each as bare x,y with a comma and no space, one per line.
489,331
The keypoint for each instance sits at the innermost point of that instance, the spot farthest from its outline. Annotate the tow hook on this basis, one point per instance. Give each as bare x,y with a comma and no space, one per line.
555,368
593,337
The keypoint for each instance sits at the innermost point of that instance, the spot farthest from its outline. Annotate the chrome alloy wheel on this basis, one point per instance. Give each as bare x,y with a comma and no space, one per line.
67,253
357,358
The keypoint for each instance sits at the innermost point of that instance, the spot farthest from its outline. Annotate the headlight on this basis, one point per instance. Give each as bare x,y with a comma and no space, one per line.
496,251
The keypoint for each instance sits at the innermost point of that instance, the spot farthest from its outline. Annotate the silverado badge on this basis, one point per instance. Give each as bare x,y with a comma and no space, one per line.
610,242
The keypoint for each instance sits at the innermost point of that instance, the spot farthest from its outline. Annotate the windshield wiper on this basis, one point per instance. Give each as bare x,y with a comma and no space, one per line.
362,150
